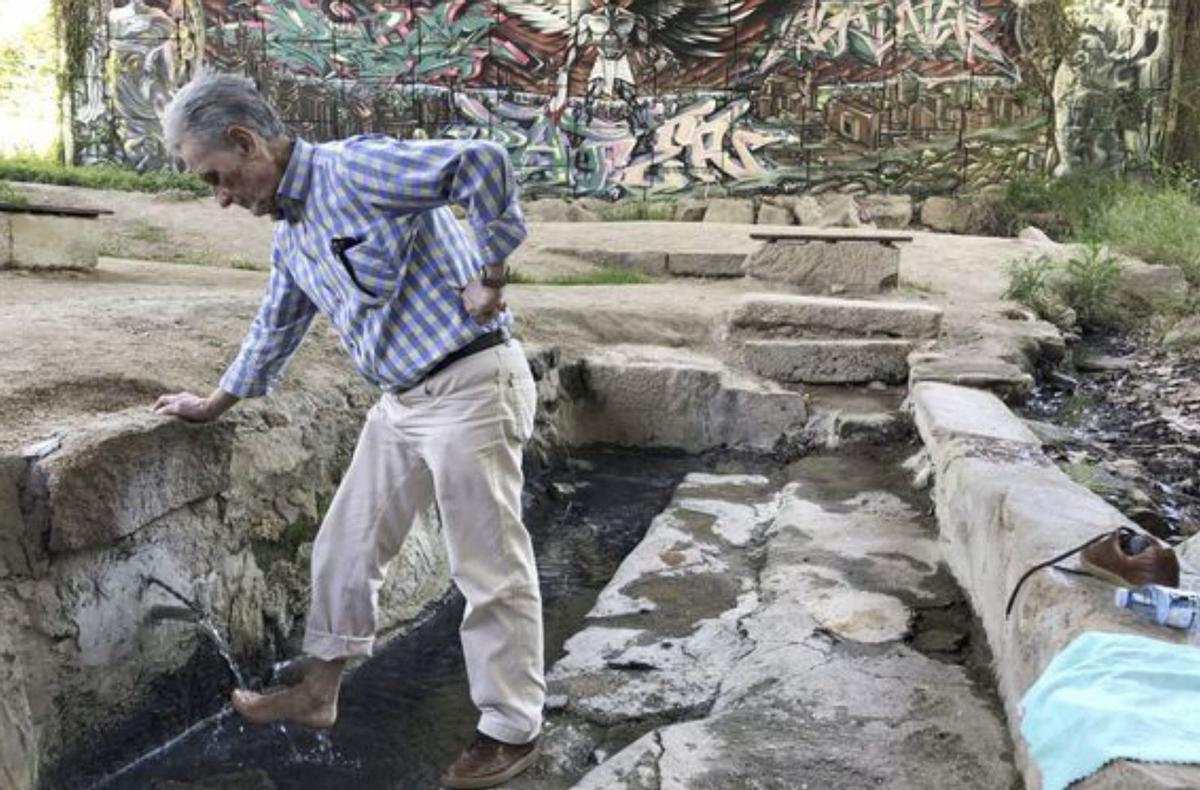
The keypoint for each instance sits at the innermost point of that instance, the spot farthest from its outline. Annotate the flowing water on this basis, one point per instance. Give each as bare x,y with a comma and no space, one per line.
192,612
405,714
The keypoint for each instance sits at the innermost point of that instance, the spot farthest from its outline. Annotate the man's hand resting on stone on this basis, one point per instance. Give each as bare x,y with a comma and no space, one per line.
192,407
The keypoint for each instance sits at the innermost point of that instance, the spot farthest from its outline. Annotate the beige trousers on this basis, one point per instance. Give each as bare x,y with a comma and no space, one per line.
456,441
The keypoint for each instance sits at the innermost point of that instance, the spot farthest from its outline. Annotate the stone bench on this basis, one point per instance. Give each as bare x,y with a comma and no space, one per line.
828,262
48,237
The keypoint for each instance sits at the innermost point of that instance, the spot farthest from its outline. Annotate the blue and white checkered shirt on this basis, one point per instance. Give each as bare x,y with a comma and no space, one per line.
367,238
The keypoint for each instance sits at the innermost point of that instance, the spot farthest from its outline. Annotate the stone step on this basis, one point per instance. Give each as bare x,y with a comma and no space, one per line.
962,368
671,397
829,361
825,267
840,416
779,315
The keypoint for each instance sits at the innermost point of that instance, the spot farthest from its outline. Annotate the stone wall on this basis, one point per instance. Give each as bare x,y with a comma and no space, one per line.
224,514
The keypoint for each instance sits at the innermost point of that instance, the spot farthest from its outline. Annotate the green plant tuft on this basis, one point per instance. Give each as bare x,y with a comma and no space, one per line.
1090,286
1027,280
1081,292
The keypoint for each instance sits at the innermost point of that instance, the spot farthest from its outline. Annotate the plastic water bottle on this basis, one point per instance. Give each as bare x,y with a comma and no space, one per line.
1163,605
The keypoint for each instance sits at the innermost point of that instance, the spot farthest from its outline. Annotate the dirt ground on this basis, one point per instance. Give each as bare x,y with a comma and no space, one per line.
74,344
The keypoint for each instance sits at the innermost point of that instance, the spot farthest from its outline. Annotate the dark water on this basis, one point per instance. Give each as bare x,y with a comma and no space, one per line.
406,713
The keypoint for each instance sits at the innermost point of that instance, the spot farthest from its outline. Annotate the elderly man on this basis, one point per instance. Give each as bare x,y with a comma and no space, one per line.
364,235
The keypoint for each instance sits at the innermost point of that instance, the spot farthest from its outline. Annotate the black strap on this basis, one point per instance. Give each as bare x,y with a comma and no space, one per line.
1013,597
481,343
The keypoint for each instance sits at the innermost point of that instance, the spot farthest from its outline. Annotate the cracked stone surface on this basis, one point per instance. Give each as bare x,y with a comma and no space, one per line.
762,636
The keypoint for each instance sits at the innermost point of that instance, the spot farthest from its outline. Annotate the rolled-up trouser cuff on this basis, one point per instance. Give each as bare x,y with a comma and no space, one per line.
492,726
328,647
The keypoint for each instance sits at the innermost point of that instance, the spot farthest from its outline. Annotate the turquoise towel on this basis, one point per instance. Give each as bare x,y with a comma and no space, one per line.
1109,697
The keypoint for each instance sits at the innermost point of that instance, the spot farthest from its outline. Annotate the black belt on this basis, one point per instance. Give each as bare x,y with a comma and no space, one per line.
481,343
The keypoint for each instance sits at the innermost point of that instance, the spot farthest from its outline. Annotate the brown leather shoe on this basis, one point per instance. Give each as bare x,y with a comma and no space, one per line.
488,762
1127,557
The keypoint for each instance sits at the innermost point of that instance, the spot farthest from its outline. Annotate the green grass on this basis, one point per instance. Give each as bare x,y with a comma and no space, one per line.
1077,200
1157,220
186,257
1158,225
148,232
1027,280
10,195
42,171
605,275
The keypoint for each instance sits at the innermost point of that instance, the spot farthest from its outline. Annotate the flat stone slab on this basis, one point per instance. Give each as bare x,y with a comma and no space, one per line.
827,267
778,315
771,653
653,396
829,361
944,410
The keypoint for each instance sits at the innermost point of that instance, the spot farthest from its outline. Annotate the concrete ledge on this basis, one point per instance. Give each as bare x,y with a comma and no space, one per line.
111,480
823,316
1003,507
43,241
653,396
841,361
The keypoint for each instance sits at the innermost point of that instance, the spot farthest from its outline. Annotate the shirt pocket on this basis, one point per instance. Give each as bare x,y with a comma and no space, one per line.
369,266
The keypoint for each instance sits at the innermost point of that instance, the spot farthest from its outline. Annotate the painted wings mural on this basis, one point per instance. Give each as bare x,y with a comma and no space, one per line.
692,43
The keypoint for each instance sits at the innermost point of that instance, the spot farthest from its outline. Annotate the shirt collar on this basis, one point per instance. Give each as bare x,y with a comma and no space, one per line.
297,177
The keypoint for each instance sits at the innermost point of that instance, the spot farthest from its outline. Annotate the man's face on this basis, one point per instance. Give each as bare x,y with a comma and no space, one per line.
242,172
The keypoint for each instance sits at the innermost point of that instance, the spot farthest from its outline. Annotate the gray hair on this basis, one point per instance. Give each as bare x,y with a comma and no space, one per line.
205,108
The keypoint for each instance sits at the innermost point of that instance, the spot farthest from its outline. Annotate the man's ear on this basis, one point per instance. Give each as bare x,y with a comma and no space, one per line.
242,139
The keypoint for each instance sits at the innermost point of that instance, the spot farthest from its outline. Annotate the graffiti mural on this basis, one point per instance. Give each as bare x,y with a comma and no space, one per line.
145,54
1105,97
646,97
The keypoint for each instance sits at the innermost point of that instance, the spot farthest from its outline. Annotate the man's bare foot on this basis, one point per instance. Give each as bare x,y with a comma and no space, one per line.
291,704
311,702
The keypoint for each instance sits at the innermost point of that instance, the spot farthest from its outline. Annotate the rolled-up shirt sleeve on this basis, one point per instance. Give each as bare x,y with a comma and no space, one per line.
405,176
282,321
